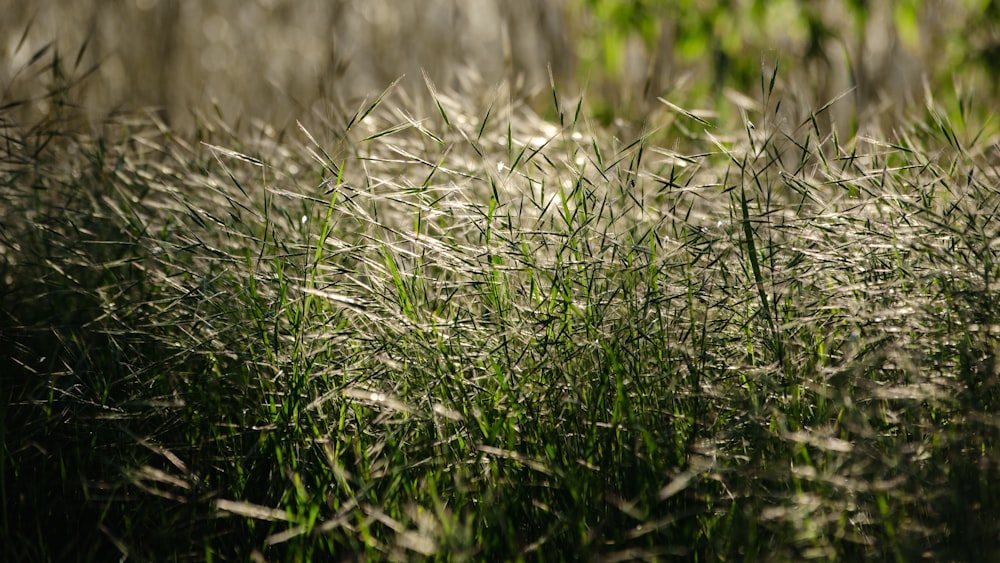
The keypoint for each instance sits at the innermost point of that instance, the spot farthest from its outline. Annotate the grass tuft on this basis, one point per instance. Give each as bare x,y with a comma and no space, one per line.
482,335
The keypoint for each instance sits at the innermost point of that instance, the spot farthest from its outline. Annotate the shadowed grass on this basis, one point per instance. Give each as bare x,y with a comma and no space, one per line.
479,335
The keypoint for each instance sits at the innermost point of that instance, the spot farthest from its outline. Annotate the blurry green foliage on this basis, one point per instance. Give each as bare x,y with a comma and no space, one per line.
723,42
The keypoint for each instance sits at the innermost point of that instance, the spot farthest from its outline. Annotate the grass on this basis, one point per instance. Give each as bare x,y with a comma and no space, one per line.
474,334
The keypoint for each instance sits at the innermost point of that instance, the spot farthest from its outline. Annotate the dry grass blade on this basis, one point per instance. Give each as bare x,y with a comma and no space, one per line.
250,510
699,116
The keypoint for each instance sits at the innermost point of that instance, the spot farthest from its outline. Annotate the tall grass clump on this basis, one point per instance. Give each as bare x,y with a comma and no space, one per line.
470,333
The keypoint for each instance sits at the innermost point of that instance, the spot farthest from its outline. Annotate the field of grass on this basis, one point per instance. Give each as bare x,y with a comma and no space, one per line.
467,332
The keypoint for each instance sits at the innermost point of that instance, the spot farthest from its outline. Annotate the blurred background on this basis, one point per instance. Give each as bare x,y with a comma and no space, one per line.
281,60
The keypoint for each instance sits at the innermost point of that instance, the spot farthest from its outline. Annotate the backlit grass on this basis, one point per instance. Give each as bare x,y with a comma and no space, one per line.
472,334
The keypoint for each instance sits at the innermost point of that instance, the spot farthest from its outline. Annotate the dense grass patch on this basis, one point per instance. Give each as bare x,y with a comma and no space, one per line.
475,334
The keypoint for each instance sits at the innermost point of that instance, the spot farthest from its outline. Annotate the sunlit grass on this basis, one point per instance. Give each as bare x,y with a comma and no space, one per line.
473,334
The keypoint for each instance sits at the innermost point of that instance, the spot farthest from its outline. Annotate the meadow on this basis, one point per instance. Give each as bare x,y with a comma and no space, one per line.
741,321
